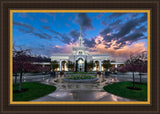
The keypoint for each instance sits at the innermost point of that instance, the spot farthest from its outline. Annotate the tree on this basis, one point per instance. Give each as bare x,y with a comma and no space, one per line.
54,65
15,72
142,68
22,62
70,65
85,65
90,65
113,70
142,65
106,64
46,69
122,69
131,65
76,65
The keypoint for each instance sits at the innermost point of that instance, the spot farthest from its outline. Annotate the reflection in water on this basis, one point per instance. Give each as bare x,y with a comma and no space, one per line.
60,94
47,80
114,98
99,96
98,76
62,76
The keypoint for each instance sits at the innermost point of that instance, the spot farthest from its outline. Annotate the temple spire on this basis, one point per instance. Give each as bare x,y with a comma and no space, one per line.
80,39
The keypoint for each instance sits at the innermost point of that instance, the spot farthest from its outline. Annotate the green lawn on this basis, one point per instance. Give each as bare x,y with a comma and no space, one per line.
33,90
121,89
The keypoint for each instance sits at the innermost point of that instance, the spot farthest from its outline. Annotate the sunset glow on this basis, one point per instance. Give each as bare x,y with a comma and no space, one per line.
116,34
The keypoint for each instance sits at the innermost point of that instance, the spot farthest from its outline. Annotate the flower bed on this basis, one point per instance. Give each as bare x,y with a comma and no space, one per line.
81,72
80,78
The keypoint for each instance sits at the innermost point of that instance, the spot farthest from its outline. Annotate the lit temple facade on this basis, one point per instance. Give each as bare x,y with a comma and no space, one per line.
80,55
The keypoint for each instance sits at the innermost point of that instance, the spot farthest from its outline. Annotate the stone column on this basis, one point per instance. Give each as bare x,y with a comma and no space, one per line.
100,66
102,69
60,66
66,69
115,65
94,68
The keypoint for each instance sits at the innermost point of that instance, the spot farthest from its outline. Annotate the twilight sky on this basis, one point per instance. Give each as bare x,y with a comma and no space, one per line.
116,34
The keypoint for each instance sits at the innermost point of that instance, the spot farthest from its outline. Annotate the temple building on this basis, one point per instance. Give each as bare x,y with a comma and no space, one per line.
80,55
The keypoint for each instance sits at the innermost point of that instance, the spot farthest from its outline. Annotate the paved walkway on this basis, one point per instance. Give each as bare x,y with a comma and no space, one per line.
81,95
80,92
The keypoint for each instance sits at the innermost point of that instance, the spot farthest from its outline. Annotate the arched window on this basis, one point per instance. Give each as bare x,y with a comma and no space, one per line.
80,52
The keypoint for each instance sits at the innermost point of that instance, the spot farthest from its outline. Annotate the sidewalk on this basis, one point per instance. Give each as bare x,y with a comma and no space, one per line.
81,95
80,91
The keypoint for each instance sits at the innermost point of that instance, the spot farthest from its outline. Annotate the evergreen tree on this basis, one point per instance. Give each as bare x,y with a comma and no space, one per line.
106,64
90,65
54,65
76,65
85,65
70,65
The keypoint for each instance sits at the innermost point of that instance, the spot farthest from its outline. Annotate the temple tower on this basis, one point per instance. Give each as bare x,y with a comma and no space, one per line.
80,39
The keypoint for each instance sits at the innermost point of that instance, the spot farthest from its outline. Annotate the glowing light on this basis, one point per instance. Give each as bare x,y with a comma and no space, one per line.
80,61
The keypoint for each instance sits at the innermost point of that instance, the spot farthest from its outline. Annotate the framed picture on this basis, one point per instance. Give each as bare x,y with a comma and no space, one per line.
79,56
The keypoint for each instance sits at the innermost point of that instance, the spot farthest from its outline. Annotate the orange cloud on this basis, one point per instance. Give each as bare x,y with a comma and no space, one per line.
119,55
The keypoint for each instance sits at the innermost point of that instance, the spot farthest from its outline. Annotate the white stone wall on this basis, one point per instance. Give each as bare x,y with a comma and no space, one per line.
75,57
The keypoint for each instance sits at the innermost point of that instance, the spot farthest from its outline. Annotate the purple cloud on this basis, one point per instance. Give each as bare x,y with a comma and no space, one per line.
84,21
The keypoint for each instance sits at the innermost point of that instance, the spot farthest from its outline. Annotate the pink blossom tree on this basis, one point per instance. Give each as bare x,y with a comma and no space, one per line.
142,69
142,64
22,62
113,69
131,65
122,69
46,69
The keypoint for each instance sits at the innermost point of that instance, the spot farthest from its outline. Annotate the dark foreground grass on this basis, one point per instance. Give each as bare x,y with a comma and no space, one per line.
31,90
121,89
